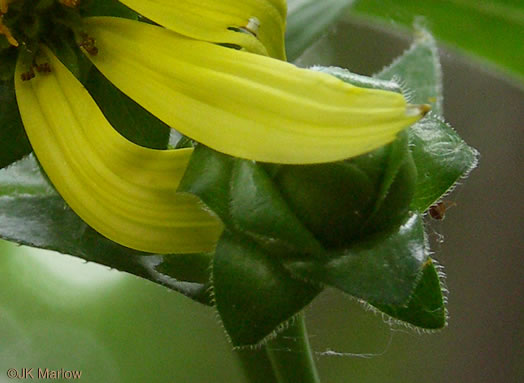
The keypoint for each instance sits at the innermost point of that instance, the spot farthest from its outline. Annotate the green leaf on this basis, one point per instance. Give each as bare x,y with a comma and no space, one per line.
441,157
379,270
33,214
492,29
426,308
14,143
254,294
307,20
419,72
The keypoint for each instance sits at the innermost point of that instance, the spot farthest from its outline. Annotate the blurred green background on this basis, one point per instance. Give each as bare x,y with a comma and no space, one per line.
59,312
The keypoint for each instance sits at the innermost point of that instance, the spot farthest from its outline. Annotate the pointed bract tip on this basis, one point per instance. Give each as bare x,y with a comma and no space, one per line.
418,110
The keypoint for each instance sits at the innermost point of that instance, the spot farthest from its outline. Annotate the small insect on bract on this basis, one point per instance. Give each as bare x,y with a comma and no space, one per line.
438,211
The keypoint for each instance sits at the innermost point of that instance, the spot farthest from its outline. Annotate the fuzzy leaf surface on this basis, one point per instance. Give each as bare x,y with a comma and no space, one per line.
374,270
426,308
442,158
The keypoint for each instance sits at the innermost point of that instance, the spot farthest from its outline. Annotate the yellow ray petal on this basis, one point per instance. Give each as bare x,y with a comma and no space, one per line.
242,104
122,190
209,20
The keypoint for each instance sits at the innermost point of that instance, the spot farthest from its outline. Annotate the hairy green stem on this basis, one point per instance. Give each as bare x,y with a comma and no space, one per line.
256,365
290,355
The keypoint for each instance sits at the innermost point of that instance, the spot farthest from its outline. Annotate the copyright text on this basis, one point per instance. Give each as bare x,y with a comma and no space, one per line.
43,373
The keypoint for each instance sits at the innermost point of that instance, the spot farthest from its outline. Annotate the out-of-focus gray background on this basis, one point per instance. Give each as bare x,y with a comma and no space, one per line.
57,312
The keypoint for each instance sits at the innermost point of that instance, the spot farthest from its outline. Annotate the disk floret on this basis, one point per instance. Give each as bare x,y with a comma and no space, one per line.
26,24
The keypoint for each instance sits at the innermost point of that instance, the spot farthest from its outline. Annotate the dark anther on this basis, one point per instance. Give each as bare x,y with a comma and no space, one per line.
88,43
26,76
43,68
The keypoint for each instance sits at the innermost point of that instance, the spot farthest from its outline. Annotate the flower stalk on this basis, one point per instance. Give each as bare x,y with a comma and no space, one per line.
290,354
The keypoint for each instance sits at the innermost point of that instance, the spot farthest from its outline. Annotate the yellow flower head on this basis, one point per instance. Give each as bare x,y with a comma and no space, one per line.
212,70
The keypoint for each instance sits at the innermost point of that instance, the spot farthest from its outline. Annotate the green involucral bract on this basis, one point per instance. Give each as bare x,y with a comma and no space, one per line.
341,201
354,225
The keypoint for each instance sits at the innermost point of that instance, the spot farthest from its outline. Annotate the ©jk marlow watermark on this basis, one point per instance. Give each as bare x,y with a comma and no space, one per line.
43,373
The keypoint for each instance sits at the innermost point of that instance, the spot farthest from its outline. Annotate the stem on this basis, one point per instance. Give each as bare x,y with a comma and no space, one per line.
290,354
256,365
